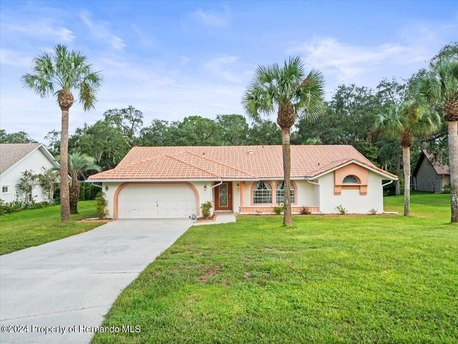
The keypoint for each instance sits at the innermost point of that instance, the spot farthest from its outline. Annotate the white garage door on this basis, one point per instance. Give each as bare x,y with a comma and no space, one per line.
145,201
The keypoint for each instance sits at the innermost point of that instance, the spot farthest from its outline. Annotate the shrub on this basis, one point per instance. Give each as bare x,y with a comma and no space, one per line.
341,209
100,205
447,189
278,209
305,211
205,207
15,206
373,211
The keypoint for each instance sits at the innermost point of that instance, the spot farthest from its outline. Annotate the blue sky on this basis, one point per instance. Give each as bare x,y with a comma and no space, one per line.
171,59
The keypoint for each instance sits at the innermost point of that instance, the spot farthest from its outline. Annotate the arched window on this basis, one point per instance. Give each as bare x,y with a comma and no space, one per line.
351,179
262,193
281,193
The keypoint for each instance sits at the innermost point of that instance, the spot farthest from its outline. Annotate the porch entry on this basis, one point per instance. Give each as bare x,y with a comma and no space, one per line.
223,196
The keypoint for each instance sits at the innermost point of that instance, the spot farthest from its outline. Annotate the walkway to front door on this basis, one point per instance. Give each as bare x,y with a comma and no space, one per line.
223,196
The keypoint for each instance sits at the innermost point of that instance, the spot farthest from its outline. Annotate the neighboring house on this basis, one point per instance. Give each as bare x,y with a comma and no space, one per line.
172,182
430,174
15,158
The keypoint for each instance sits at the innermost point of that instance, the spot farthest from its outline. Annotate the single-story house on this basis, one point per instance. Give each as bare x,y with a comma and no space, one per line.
173,182
15,159
430,174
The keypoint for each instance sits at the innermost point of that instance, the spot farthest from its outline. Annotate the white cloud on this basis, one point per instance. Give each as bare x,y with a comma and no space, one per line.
100,31
343,62
212,18
218,66
41,28
15,58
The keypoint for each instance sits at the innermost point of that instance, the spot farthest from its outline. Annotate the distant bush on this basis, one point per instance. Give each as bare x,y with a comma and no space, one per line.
305,211
16,206
447,189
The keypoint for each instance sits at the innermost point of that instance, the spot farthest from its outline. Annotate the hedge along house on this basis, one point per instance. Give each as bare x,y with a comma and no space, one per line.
173,182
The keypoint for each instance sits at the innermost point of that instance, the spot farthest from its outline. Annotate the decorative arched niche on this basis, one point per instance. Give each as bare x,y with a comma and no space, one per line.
351,177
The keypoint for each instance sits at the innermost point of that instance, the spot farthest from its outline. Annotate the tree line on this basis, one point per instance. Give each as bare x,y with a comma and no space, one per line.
375,121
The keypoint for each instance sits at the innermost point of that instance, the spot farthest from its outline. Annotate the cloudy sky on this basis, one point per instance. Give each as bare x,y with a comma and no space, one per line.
171,59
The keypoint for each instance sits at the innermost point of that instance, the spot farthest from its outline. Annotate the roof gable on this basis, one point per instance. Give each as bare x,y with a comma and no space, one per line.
12,153
232,162
439,168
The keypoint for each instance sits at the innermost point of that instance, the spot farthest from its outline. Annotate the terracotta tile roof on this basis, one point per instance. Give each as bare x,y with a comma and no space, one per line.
11,153
231,162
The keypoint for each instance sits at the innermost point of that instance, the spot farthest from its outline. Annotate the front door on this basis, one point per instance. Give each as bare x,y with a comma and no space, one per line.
223,196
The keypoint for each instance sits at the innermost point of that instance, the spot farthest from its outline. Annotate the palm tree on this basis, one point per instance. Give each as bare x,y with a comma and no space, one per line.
78,166
287,92
60,73
407,121
439,88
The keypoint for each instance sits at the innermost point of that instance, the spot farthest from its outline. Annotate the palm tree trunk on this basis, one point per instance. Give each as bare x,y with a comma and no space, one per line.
453,165
406,163
64,188
398,173
286,148
74,195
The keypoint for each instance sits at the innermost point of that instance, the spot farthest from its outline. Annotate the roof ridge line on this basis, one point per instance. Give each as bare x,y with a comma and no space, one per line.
189,164
220,163
136,162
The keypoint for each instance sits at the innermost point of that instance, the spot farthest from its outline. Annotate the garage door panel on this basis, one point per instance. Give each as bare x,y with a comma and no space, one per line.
156,201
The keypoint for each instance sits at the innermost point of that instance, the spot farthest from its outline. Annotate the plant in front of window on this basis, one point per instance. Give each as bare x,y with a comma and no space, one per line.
25,185
206,207
279,208
288,92
340,208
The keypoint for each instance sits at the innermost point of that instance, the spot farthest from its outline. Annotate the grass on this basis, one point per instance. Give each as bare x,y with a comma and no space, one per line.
385,279
38,226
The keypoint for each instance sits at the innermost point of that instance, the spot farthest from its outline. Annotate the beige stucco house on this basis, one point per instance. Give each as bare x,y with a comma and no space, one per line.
172,182
430,175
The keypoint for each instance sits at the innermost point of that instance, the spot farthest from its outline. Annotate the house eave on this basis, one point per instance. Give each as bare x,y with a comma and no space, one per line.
387,176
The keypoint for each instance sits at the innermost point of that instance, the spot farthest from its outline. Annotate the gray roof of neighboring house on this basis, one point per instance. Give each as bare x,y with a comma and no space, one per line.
440,168
12,153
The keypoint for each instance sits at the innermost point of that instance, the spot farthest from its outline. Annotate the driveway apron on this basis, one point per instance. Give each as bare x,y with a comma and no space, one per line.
60,292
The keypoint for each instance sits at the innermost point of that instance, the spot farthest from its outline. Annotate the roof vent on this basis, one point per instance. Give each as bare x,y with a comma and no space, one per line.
250,151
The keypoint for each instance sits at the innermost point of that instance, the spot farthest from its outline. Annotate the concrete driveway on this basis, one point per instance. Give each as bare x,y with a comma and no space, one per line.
67,286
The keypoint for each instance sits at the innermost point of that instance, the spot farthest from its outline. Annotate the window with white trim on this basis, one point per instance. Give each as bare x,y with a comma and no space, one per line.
262,193
5,189
351,179
281,193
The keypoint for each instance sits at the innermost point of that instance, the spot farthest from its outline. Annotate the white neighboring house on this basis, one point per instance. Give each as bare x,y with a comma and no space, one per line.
173,182
15,158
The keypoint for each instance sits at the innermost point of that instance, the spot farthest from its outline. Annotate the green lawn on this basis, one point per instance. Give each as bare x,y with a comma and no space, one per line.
38,226
385,279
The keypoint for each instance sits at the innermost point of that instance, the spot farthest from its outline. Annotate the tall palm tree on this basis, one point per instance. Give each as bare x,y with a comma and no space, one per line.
288,92
439,88
407,121
78,166
61,73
